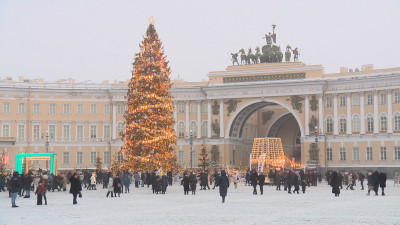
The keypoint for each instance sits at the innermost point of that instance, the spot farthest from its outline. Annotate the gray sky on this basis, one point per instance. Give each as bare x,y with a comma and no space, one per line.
96,40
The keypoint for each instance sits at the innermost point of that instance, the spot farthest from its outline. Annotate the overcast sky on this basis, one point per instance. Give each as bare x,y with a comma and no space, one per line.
96,40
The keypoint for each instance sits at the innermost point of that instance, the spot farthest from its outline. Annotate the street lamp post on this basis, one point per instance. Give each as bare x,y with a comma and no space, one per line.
191,149
47,149
316,148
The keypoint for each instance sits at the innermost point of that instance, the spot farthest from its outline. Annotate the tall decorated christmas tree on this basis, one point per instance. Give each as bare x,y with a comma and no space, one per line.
149,136
204,159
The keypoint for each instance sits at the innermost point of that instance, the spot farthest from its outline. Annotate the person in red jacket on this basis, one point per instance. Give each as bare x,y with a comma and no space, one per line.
40,190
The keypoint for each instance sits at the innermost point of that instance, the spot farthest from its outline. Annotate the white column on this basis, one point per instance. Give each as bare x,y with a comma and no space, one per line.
348,105
209,119
221,118
335,115
321,114
389,112
187,121
114,120
362,113
176,117
199,119
306,114
376,117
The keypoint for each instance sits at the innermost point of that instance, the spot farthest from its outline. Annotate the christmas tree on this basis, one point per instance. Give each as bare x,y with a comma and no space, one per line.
204,160
115,165
149,137
99,163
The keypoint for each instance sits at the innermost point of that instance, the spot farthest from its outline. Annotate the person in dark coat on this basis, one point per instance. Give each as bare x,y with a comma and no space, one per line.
169,176
361,178
186,182
27,185
193,183
76,187
15,186
303,180
277,180
143,178
340,180
117,184
261,181
296,182
375,181
253,180
148,178
289,180
40,190
223,184
247,178
164,183
216,177
335,183
382,182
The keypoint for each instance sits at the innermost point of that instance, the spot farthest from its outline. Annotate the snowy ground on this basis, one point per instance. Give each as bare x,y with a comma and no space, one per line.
317,206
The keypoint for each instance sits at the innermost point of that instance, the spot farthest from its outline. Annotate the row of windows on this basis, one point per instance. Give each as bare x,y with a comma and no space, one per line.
192,108
93,157
192,128
369,99
368,153
370,123
66,109
181,156
66,131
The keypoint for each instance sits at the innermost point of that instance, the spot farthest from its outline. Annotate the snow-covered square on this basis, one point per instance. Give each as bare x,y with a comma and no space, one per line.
317,206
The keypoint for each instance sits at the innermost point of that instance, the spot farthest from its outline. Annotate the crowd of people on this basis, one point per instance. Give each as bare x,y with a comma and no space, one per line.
40,182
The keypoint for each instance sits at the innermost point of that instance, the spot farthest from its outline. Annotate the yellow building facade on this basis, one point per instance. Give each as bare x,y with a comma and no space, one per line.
344,121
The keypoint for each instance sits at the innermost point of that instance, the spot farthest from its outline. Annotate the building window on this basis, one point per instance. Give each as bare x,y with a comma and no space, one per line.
80,109
181,108
370,100
6,130
181,156
370,123
93,131
181,129
396,97
342,124
52,131
356,100
356,154
342,101
383,122
66,132
66,109
106,158
356,123
120,109
79,157
93,157
107,109
397,121
36,131
52,109
329,154
193,128
329,125
6,108
369,153
79,132
120,129
65,157
342,154
383,154
193,108
36,109
107,131
93,109
194,157
204,129
396,153
383,99
21,131
120,157
328,102
21,108
204,107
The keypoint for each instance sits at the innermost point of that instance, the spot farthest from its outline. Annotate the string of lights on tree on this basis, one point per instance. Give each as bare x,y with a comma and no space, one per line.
149,137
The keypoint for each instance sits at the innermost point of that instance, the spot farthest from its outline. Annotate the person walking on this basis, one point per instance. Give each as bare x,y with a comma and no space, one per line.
164,183
136,177
76,187
335,183
193,183
186,182
261,181
289,179
296,182
382,182
110,187
235,179
375,181
127,182
40,190
117,186
216,177
15,186
361,178
223,184
27,185
254,179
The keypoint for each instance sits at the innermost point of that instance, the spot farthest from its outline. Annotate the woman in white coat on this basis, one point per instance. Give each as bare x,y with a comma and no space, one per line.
110,187
93,181
235,179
